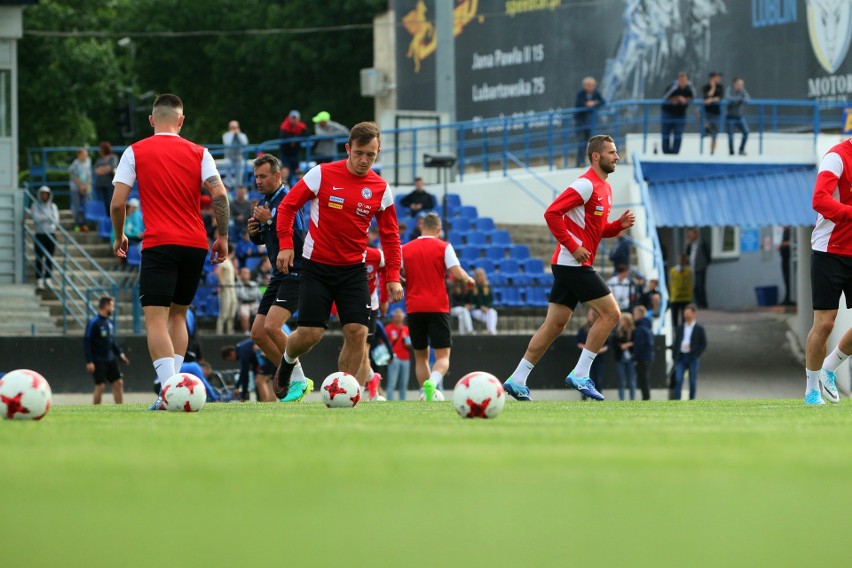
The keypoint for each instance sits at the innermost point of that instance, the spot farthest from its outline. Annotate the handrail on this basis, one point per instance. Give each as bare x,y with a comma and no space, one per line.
553,189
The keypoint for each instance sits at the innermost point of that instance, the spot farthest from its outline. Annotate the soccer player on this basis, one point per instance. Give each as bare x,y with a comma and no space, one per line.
345,196
376,274
426,261
102,351
578,219
831,271
282,295
170,171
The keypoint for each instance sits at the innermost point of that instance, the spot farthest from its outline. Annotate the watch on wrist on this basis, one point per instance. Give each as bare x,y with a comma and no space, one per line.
269,221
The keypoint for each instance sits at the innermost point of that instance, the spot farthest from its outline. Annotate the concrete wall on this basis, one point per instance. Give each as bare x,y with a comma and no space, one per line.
60,360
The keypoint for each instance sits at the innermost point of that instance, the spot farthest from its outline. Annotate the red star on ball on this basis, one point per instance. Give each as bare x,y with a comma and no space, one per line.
335,389
478,410
13,405
188,383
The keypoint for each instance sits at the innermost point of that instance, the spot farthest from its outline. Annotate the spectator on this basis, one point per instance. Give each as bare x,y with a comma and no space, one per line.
620,253
419,200
244,352
227,295
417,231
736,97
245,249
680,289
403,232
207,216
623,288
483,302
325,150
588,99
45,215
263,274
292,127
713,92
399,369
205,372
676,99
104,172
643,350
80,185
461,302
240,210
248,299
596,371
650,298
690,343
699,259
235,142
134,226
622,343
101,352
373,237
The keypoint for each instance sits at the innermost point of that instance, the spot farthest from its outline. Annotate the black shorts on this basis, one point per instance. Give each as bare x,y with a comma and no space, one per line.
170,274
324,284
575,284
106,371
268,368
831,275
430,329
281,293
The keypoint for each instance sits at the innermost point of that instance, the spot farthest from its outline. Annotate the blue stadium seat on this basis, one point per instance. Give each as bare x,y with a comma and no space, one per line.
485,224
468,254
537,296
495,252
519,252
533,266
512,296
544,279
453,200
462,224
486,263
509,266
253,262
468,212
501,237
213,306
105,227
497,279
95,210
519,279
457,238
134,255
498,294
476,238
211,280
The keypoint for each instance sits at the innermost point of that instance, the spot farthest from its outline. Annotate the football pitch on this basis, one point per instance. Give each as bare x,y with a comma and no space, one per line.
715,483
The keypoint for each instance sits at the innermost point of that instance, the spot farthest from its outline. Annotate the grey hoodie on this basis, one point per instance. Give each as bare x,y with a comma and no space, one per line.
45,213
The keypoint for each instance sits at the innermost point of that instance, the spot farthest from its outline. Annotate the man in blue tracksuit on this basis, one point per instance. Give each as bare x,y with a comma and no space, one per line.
103,353
244,353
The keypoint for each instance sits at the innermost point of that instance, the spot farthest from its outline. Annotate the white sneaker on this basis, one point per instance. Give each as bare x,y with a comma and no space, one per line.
828,385
40,284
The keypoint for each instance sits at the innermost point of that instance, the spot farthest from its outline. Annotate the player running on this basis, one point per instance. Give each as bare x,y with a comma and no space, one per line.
578,219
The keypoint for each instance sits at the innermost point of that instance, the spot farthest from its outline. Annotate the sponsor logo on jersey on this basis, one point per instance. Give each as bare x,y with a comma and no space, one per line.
336,199
366,192
335,205
335,188
599,208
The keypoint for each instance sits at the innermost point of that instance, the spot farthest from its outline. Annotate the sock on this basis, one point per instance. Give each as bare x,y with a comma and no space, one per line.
298,375
178,363
165,368
834,359
581,371
519,377
288,359
436,378
813,381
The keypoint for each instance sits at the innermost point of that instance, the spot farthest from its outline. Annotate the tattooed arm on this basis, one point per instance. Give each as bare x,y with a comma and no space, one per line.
222,212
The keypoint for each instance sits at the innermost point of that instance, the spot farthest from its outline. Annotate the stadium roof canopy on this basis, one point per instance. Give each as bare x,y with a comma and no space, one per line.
741,195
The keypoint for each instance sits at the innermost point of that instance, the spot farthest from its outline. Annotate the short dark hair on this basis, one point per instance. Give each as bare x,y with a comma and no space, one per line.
596,144
103,301
274,164
363,132
431,221
105,147
227,351
167,103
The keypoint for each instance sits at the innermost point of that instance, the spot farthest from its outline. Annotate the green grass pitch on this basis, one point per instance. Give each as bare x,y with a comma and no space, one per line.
753,483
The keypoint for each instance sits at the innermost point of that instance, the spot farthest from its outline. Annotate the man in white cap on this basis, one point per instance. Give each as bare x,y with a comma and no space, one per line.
235,141
325,150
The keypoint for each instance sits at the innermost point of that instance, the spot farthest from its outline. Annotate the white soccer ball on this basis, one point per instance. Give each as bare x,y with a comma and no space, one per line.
438,396
340,390
479,395
24,395
184,392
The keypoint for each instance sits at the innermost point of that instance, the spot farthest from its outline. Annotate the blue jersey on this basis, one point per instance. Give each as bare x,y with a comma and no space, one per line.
269,237
99,341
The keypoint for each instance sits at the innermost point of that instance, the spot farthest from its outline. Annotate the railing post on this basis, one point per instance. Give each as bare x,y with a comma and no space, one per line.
461,152
504,162
761,125
413,154
550,141
137,309
64,285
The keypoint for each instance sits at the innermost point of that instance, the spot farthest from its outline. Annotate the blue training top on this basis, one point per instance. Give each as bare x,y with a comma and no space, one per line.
269,236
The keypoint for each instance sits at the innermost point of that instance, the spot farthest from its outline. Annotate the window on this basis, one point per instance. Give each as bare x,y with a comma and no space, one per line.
725,242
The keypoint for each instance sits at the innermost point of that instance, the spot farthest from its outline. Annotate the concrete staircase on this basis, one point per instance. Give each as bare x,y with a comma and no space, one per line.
23,312
100,251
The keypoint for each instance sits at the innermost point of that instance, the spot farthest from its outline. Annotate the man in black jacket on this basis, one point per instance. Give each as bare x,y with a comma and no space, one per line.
690,343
